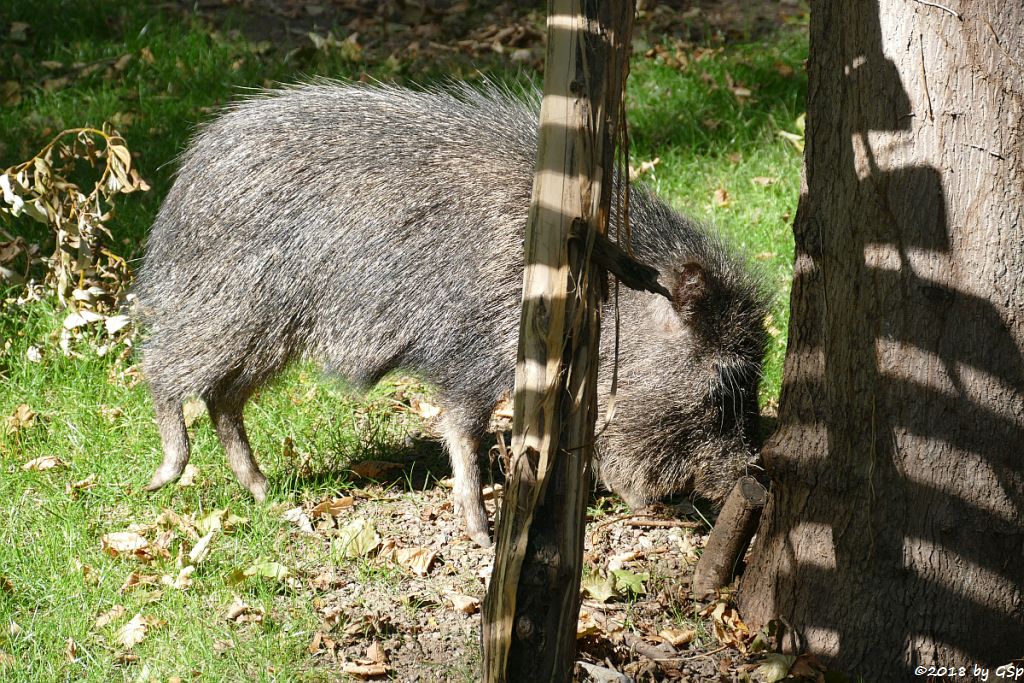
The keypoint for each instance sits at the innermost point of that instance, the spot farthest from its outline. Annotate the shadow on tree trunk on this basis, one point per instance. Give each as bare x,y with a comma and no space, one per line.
893,538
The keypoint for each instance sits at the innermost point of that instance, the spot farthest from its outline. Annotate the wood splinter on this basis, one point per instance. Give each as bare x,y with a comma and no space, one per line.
729,537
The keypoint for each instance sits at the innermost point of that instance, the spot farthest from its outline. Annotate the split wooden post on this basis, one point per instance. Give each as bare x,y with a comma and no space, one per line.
532,605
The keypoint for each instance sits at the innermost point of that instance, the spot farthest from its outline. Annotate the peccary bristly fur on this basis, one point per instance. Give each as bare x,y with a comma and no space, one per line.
375,228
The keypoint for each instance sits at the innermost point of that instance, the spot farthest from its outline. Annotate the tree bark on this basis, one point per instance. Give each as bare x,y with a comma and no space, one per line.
894,534
532,605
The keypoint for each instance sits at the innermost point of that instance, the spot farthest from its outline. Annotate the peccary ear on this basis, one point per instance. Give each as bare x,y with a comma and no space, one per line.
689,288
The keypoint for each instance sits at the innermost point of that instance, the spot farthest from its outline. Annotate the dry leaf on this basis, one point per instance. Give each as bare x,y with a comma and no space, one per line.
220,519
464,603
356,539
365,670
721,197
162,543
10,93
764,181
586,625
22,418
241,613
644,168
135,580
418,560
677,637
46,462
184,579
114,613
299,517
169,519
19,31
314,645
600,588
72,488
89,574
427,411
375,654
201,550
728,627
775,667
783,69
332,506
81,319
116,323
135,631
52,84
620,560
375,469
236,609
5,585
124,543
70,650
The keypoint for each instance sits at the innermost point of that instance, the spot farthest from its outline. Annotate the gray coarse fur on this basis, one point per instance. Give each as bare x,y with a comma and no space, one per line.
374,229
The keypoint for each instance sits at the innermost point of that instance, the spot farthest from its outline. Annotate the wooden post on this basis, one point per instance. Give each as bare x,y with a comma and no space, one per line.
532,605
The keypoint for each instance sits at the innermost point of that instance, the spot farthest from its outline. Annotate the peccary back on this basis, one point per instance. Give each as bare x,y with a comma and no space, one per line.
374,228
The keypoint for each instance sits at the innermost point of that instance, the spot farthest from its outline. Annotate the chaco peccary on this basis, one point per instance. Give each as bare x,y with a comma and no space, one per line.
375,228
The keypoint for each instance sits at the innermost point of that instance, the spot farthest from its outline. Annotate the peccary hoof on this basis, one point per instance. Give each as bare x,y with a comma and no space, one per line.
481,538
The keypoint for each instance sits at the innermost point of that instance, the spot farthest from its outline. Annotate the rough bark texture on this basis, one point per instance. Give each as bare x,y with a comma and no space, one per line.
730,537
532,605
894,537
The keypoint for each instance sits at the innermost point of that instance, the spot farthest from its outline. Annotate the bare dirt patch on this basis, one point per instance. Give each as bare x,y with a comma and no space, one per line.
399,595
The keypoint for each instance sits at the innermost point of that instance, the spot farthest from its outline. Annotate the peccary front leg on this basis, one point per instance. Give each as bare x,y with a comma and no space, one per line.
469,501
227,421
174,439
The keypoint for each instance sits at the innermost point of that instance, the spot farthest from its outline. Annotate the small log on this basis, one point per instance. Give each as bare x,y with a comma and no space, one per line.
730,537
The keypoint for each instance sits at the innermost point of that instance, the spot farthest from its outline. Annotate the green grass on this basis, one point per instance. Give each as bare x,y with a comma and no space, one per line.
706,137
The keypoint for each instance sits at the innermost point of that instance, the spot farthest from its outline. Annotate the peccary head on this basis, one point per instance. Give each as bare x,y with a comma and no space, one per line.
686,417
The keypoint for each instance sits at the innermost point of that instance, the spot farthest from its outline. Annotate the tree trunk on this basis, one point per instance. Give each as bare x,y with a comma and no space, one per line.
894,537
532,605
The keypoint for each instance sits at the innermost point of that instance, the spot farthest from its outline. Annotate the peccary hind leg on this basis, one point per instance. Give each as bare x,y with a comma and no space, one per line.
469,502
174,438
226,416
